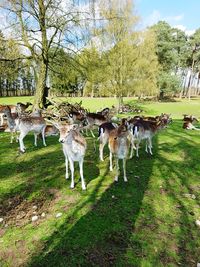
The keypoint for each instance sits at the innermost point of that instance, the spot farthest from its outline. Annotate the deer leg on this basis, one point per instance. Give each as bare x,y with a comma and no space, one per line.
12,136
117,170
21,143
2,120
43,136
81,174
147,145
101,147
111,167
71,164
150,146
137,149
132,148
124,169
92,133
66,167
35,138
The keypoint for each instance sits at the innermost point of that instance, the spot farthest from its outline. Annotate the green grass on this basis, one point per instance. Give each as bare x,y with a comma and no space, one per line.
150,221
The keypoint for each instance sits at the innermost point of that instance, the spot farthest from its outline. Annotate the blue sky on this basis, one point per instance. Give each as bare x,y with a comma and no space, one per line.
184,14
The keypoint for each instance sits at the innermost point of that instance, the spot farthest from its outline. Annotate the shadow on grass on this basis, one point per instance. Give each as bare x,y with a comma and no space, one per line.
37,171
182,185
101,236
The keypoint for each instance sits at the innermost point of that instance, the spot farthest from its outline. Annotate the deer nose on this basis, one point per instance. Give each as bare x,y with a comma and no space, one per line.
61,141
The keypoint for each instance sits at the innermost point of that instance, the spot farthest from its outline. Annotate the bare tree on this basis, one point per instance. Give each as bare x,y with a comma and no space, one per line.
41,25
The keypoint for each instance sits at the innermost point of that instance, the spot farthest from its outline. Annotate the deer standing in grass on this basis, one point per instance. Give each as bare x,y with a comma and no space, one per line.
74,148
104,132
119,145
142,129
25,125
11,117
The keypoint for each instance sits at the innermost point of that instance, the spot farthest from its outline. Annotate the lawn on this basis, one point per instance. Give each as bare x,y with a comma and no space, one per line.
149,221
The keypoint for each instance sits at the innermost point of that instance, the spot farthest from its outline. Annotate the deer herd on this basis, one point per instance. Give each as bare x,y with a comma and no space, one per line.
73,124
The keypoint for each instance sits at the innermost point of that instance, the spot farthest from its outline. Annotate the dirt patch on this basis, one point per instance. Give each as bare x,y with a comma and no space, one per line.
18,211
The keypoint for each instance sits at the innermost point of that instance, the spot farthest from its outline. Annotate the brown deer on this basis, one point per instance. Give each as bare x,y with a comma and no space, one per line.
104,132
94,119
119,145
188,122
145,130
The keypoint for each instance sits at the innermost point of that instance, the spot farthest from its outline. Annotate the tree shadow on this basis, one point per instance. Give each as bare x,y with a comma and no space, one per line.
183,188
101,236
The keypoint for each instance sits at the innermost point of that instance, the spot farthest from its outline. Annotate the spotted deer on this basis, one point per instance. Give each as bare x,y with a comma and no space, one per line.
104,132
145,130
188,122
25,125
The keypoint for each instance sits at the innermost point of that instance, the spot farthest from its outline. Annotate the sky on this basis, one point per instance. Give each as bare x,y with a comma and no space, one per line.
183,14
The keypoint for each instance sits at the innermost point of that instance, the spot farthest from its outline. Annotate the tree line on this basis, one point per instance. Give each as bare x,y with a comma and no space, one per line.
94,48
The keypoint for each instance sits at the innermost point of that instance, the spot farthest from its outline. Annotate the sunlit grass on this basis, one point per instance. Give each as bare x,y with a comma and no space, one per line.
150,221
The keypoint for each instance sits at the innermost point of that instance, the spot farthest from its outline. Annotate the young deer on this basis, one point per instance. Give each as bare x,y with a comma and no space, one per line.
119,146
145,130
10,120
25,125
104,132
74,148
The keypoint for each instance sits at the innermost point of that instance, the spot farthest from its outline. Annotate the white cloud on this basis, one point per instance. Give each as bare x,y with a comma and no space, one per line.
156,16
183,28
174,18
153,18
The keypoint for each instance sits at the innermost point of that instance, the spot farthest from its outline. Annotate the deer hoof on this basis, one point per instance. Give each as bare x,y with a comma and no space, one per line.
83,187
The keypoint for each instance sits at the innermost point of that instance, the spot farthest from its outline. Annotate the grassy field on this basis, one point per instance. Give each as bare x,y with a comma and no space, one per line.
149,221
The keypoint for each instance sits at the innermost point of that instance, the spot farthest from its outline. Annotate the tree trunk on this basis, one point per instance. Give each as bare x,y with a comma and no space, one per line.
120,102
40,98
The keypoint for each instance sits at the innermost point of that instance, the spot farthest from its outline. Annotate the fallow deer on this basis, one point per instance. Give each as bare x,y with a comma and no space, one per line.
25,125
94,119
188,122
30,124
104,132
119,146
10,121
145,130
74,148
